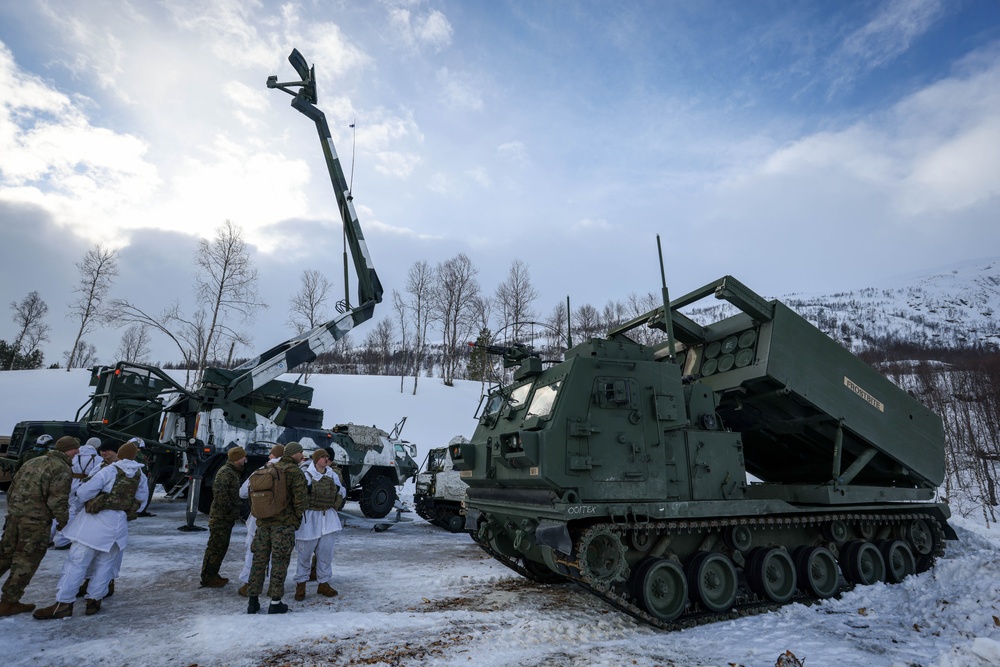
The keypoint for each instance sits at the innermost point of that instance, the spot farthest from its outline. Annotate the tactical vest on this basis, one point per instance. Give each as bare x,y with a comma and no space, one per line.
323,494
121,497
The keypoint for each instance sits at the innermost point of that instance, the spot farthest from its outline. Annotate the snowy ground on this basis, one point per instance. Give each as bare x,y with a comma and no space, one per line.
417,595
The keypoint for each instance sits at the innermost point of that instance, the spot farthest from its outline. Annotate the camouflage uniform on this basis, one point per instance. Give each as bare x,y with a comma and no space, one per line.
275,538
38,495
31,454
221,519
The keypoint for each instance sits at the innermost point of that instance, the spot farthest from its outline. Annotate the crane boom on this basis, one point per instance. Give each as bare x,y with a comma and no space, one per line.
305,347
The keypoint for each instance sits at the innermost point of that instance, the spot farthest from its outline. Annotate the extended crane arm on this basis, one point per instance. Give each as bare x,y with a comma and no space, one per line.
307,346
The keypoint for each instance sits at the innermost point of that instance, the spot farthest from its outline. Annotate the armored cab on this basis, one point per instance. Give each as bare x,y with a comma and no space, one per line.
625,467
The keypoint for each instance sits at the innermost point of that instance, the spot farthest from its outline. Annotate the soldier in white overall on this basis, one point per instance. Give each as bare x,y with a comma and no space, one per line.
85,464
319,525
99,537
274,455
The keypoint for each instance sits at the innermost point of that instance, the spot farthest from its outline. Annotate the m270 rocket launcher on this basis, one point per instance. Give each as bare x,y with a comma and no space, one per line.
624,468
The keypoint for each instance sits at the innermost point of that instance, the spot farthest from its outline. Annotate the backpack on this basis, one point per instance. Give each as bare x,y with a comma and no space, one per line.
121,497
268,494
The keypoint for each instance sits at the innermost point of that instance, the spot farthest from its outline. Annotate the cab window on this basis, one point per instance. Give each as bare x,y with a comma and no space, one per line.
544,400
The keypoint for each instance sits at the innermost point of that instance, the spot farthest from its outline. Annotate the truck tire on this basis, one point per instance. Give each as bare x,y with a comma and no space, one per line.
207,470
378,495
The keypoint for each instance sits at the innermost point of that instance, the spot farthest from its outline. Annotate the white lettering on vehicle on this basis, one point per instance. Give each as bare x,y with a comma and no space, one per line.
582,509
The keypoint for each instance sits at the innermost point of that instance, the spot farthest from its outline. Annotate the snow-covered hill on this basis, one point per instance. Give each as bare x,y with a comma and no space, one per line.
957,305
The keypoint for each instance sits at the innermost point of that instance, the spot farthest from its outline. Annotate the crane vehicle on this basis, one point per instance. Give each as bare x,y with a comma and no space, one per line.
188,432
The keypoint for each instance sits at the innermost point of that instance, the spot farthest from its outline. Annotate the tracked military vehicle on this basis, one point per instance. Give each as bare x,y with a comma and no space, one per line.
439,492
188,432
624,468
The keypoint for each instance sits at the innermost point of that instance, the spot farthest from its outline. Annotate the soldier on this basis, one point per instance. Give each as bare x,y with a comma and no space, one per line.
222,516
113,496
108,452
42,444
273,457
84,464
275,538
320,524
38,495
143,459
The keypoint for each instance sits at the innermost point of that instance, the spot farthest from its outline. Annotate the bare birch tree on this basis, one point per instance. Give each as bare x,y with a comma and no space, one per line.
31,330
514,297
98,270
83,352
403,319
378,348
454,297
420,288
226,284
307,307
134,345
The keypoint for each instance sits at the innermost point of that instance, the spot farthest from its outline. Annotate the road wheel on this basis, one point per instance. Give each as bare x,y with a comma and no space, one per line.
456,523
378,495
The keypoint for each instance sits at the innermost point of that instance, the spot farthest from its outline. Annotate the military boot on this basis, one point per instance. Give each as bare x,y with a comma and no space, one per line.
254,605
244,590
58,610
93,606
111,588
217,582
326,589
12,608
277,607
83,588
300,591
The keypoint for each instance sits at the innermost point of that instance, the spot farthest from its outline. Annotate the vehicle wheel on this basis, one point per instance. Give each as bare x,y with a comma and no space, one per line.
771,573
712,580
456,523
541,574
920,537
817,571
661,588
899,560
862,563
378,495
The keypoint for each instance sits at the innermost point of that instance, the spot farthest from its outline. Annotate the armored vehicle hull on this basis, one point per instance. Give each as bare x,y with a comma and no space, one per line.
624,467
439,492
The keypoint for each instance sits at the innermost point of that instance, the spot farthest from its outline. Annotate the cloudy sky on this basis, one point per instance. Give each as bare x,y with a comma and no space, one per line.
800,146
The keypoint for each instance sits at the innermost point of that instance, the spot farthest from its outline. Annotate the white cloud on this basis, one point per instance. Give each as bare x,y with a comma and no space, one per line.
418,30
515,151
481,176
883,39
588,225
459,93
933,152
52,156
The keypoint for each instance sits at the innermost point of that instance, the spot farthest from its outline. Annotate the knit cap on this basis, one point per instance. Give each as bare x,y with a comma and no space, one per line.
320,453
277,451
237,454
128,451
94,442
66,443
292,448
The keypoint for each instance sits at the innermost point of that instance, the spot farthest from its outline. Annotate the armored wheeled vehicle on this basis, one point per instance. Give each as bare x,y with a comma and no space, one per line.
732,468
439,490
